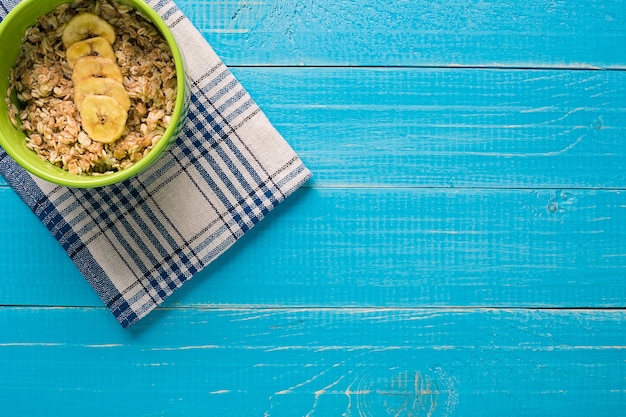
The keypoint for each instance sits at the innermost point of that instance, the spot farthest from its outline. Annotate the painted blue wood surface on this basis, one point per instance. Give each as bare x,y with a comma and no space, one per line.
384,247
460,251
315,362
474,33
450,128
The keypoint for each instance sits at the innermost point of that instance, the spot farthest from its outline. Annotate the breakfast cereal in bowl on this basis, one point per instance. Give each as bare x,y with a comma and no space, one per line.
95,87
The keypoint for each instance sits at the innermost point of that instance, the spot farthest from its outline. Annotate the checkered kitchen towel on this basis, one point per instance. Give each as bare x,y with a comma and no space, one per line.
138,241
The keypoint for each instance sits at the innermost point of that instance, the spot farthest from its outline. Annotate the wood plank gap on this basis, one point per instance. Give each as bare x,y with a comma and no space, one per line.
440,67
461,187
323,308
373,309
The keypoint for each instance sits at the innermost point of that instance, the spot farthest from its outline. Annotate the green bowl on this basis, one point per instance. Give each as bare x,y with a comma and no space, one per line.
13,141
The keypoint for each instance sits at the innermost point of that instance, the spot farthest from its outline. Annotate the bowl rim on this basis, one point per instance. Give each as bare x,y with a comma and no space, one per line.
49,172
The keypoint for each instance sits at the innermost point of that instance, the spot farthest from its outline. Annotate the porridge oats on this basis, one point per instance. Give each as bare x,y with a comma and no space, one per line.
93,88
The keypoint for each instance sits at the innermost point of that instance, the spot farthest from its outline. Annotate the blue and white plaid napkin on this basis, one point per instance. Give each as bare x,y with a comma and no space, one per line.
138,241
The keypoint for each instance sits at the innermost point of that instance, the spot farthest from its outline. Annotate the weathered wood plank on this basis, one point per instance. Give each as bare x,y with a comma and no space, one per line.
315,362
449,127
451,211
378,247
414,33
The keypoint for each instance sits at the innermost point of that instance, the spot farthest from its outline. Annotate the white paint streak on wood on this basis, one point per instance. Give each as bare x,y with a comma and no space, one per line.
187,347
291,389
31,344
106,345
320,392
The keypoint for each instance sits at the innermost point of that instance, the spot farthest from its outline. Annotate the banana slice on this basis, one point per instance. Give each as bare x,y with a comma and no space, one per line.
84,26
101,87
96,67
103,118
97,46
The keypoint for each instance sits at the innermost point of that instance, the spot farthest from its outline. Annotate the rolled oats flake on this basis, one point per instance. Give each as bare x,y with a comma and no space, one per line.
45,111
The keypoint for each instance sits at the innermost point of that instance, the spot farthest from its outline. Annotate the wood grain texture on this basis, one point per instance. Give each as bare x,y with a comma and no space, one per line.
450,128
535,34
382,247
460,251
315,362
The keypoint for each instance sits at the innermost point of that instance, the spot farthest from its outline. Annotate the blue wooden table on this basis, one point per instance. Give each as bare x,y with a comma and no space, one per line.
460,251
